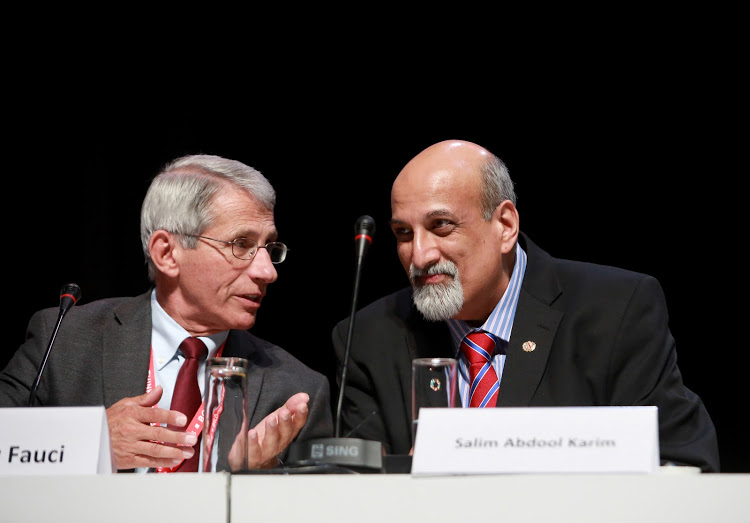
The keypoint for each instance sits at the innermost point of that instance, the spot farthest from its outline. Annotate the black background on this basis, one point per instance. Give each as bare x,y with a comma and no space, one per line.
629,164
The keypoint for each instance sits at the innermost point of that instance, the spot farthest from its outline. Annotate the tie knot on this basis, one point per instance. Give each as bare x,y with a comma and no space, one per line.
193,348
478,346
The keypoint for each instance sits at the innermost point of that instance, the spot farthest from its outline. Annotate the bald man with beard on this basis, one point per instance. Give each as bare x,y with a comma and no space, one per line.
567,333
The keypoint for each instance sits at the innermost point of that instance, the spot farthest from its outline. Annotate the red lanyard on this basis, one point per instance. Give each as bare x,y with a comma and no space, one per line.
196,424
217,407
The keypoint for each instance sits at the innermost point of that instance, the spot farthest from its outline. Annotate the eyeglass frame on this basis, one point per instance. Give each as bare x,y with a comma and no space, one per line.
233,243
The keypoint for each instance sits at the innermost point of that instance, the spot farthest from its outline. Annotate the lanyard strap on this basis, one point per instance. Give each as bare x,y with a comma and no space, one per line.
196,424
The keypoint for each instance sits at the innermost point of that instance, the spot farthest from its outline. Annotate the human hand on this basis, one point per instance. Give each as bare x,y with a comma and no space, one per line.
136,443
276,431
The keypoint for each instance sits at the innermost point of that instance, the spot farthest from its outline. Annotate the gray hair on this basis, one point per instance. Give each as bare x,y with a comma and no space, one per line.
497,185
179,198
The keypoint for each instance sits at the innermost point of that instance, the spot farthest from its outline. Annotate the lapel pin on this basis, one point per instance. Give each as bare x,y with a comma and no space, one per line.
529,346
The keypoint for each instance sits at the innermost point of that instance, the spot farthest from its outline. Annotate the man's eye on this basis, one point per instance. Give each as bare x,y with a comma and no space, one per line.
401,231
242,243
443,227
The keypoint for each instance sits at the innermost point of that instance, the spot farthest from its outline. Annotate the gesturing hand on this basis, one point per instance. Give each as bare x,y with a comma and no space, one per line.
136,443
276,431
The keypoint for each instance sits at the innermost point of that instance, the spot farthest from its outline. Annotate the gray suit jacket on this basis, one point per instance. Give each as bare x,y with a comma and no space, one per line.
602,338
101,355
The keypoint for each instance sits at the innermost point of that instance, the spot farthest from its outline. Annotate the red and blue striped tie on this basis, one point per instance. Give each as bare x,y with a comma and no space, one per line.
478,347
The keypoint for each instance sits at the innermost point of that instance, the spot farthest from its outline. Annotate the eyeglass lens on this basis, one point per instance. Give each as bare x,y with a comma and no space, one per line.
246,249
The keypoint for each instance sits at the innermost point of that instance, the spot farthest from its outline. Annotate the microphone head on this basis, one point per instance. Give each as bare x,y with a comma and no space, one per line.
365,225
70,291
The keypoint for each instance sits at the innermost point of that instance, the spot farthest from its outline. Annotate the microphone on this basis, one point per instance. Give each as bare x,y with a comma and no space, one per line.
364,229
69,296
350,453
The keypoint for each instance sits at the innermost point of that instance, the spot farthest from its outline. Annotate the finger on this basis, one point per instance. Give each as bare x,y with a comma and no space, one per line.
132,454
297,420
261,453
254,451
271,437
125,431
286,429
297,406
151,398
171,437
142,460
297,400
299,417
161,416
141,408
136,425
146,431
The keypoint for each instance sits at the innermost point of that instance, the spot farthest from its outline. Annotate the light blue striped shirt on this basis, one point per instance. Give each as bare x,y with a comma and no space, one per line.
499,323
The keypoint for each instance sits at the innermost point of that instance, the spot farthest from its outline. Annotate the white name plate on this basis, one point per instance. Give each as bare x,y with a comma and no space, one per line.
455,441
55,440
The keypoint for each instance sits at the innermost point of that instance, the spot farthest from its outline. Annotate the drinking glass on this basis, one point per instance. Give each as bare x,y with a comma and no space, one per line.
433,384
224,439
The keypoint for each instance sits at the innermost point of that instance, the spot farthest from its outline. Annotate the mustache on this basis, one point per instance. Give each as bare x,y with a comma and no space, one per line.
446,267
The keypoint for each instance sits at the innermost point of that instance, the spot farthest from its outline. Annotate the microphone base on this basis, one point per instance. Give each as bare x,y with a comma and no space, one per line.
358,455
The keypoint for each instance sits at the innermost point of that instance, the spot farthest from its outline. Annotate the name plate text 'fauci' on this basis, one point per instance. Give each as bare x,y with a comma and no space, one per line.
55,440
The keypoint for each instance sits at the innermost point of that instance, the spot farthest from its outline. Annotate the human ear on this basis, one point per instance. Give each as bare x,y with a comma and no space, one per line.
161,249
507,220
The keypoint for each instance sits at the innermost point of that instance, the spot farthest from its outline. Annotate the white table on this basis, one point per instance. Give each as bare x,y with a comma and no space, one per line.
668,496
115,498
663,497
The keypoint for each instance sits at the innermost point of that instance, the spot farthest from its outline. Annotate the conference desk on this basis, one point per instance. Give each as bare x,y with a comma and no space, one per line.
666,496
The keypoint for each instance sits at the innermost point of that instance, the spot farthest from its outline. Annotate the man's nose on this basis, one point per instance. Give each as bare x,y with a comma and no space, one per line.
425,251
262,268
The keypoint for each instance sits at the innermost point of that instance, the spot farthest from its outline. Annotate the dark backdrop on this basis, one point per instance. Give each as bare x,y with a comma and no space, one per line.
613,171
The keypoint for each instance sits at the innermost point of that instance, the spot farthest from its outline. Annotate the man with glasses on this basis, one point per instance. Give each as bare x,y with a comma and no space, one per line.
211,245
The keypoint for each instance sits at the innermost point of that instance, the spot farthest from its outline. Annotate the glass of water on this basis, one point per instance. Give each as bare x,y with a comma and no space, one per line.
433,384
224,439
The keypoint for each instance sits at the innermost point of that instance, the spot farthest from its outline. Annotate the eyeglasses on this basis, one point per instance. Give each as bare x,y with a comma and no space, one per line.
246,249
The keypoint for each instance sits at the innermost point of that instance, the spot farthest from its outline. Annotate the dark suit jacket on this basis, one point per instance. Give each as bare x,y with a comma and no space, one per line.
101,355
602,338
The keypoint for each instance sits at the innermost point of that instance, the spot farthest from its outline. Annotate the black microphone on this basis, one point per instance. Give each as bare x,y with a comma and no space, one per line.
69,295
364,230
350,453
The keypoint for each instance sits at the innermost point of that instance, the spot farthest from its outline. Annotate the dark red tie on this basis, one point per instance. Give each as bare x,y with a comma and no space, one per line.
478,347
187,393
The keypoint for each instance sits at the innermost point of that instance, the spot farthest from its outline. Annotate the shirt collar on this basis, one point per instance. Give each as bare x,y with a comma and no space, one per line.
167,334
500,321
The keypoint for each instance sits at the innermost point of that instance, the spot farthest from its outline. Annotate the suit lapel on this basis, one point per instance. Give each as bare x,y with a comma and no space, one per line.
534,328
255,376
239,344
126,350
535,323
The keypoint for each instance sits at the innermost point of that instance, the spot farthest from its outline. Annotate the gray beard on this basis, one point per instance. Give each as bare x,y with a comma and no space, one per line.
438,302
